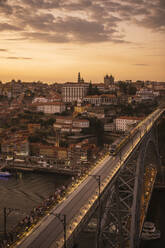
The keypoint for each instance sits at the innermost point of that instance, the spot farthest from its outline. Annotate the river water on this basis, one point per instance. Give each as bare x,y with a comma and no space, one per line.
24,191
156,214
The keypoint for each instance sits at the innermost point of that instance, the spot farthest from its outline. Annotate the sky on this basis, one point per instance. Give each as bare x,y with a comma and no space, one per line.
53,40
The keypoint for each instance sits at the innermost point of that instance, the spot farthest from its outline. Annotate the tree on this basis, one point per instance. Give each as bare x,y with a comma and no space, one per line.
96,128
48,122
90,89
132,90
93,90
123,87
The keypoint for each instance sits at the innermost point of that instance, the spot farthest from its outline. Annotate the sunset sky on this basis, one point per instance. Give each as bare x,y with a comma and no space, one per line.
52,40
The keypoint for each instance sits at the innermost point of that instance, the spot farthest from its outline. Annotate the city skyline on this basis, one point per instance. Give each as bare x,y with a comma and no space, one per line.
51,40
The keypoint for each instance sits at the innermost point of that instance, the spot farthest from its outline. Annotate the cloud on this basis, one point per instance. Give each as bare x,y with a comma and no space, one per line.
18,58
46,37
84,21
155,18
156,55
6,27
5,7
141,64
69,29
3,50
42,4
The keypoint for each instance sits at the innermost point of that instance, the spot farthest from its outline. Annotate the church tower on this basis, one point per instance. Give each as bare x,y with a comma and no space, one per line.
79,78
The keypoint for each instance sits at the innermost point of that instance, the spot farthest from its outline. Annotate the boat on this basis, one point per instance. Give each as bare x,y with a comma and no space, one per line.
149,231
5,174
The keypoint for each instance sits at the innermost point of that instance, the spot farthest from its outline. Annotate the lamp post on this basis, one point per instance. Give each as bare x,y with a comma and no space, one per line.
98,180
62,218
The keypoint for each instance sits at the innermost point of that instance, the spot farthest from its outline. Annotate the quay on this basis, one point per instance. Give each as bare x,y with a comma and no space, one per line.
61,171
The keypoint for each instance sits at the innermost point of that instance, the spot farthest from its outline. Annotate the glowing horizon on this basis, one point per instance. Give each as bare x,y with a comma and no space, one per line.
52,41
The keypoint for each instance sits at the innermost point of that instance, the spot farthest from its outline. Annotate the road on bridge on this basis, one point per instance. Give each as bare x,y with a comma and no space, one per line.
50,229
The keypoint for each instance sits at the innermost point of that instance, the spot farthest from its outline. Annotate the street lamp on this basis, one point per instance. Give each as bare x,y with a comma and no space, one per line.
98,180
62,218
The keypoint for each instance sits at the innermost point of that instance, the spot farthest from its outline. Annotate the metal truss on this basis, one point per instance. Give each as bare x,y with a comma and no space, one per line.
117,215
128,198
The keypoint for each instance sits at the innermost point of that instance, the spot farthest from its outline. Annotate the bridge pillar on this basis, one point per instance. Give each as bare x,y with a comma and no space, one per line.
128,197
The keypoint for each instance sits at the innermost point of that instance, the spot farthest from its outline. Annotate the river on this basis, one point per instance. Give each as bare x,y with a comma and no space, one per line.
156,214
24,191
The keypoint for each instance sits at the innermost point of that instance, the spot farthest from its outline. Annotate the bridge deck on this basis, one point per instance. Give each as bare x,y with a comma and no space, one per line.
49,232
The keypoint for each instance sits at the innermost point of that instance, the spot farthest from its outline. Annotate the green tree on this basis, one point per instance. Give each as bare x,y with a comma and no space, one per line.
96,128
132,90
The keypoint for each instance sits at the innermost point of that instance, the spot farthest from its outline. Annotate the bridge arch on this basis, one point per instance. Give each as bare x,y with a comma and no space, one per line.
147,165
128,198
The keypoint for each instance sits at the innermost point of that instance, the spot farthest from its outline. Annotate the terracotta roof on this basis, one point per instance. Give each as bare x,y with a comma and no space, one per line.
108,95
93,96
64,117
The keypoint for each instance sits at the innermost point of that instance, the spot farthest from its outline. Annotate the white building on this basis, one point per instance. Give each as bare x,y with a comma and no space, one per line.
69,124
51,107
81,123
55,98
104,99
109,127
124,123
72,92
146,94
39,99
93,99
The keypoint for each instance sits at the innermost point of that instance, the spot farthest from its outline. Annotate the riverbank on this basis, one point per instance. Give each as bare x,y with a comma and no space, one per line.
28,195
61,171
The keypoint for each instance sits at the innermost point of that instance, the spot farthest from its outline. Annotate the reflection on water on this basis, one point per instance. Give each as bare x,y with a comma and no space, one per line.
156,215
25,191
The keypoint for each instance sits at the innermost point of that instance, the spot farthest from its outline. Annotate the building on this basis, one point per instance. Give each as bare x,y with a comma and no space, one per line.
72,92
32,127
81,152
15,146
46,151
96,111
108,80
104,99
54,98
50,107
109,127
124,123
146,94
93,99
69,124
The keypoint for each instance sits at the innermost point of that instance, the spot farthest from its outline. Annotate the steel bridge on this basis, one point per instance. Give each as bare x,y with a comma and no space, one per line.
118,189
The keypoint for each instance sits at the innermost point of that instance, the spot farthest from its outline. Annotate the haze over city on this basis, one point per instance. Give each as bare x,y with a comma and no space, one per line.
50,40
